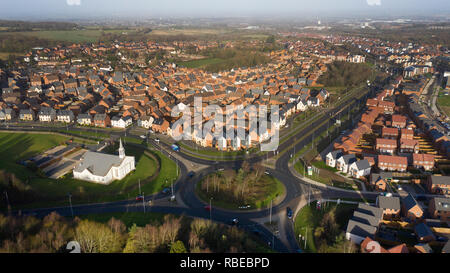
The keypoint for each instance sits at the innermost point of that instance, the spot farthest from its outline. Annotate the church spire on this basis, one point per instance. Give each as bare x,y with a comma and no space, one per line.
121,150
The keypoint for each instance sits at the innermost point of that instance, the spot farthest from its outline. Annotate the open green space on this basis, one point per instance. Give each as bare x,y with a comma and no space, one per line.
323,228
200,63
74,36
230,189
443,101
28,187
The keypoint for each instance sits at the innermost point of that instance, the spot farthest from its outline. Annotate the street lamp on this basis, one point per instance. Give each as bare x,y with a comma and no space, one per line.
143,200
210,209
70,202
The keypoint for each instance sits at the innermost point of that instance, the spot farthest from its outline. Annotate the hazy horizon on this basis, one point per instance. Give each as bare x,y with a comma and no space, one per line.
71,9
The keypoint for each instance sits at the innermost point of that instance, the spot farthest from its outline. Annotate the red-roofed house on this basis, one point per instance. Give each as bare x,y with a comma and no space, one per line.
386,146
398,121
392,163
424,161
391,133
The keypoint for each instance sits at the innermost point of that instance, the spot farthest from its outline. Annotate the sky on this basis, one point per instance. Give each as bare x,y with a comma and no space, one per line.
23,9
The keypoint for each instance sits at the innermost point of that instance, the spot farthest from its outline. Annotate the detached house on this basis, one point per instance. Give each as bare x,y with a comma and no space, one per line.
379,181
411,208
390,206
47,114
121,122
360,168
102,120
344,162
26,115
438,184
7,114
65,116
332,157
145,122
84,119
439,208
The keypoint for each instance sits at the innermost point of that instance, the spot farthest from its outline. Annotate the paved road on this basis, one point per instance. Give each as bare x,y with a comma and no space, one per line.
298,191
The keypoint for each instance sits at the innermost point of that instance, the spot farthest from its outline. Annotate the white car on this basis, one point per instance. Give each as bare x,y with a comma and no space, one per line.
157,140
143,137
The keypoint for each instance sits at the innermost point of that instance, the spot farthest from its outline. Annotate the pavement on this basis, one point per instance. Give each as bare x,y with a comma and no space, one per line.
299,190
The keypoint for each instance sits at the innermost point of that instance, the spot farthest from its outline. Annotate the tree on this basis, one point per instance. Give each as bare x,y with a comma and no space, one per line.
270,39
96,238
178,247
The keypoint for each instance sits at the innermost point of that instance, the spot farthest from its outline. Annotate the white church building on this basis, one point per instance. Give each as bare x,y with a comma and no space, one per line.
104,168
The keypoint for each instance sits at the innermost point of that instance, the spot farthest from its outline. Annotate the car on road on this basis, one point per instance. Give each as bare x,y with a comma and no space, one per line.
139,198
267,173
235,222
166,191
191,174
421,198
256,232
157,140
208,208
143,137
289,212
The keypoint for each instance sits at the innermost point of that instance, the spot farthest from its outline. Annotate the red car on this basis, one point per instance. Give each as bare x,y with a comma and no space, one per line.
207,208
139,198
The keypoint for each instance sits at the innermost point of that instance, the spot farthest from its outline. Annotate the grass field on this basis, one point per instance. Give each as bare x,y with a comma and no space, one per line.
201,62
189,32
54,192
5,55
75,36
308,219
443,102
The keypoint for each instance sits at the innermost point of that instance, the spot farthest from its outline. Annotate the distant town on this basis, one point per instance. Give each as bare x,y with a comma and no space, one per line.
88,136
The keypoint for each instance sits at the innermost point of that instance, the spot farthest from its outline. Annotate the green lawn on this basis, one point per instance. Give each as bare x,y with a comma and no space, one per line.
443,102
201,62
153,169
75,36
308,219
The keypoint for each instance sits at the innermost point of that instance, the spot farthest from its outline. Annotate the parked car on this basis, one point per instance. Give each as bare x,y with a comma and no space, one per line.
234,222
208,208
143,137
139,198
